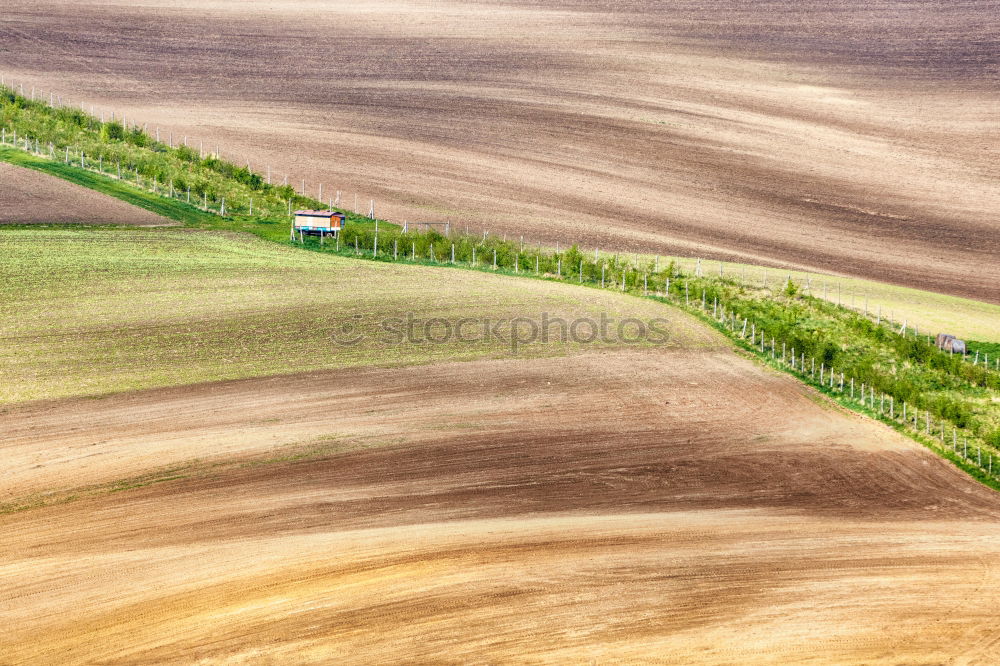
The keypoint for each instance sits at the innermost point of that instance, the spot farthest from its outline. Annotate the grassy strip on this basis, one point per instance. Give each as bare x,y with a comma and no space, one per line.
174,208
929,311
165,207
985,351
80,141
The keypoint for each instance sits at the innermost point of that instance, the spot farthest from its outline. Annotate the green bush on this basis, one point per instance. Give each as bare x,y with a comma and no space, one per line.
112,132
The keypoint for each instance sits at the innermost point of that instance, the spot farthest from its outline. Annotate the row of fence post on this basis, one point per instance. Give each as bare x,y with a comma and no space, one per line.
828,378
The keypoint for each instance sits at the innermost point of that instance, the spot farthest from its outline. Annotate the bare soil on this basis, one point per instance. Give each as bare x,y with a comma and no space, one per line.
30,196
851,137
620,506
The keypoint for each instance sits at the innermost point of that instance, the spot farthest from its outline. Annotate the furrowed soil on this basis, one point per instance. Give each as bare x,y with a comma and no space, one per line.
378,503
625,505
30,196
853,137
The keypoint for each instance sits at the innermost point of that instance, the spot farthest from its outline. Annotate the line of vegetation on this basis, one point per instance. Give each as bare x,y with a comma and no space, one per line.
892,364
988,353
138,162
168,208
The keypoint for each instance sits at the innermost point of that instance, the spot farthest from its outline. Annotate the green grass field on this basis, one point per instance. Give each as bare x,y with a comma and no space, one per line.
88,312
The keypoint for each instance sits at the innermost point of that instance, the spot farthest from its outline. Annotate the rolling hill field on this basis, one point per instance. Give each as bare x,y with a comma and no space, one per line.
609,414
853,137
609,503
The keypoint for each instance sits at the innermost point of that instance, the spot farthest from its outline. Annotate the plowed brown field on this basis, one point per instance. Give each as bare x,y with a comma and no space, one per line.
636,505
644,506
855,136
31,196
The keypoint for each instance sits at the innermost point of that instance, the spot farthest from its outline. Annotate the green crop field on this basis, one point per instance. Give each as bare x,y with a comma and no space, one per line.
87,312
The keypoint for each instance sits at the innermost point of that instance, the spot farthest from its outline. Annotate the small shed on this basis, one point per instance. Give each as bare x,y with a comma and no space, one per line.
319,221
950,343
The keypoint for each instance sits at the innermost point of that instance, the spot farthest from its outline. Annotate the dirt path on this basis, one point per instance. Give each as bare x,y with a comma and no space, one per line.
31,196
644,505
